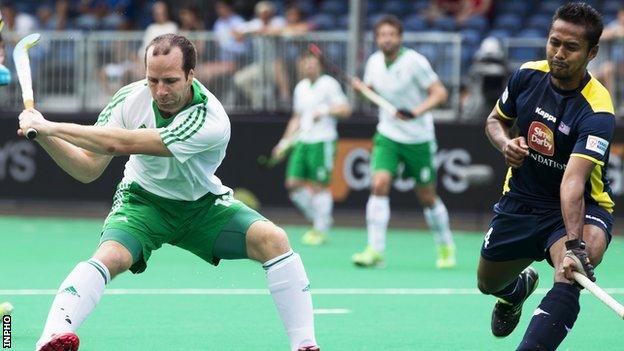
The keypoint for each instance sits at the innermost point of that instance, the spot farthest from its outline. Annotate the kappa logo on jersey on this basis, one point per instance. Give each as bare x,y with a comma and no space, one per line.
547,116
541,139
597,144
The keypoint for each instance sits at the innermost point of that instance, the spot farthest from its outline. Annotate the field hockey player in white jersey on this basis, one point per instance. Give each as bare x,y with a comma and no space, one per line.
176,133
318,102
404,78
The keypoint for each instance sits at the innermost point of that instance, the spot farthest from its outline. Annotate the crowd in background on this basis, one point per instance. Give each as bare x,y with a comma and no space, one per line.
482,24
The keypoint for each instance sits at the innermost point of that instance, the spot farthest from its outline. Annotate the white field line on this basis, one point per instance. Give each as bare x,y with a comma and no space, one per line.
331,311
318,291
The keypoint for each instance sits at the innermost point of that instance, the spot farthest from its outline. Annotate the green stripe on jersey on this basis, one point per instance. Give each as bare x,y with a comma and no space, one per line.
189,128
118,98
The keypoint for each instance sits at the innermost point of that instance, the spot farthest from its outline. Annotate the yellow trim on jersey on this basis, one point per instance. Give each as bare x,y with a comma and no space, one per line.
598,97
501,113
537,65
597,190
506,187
587,157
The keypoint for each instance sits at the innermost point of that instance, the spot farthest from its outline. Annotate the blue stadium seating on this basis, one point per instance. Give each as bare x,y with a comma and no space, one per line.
612,7
373,6
549,7
446,24
415,23
531,33
509,22
323,21
470,36
371,20
499,33
396,7
343,22
334,7
540,21
476,22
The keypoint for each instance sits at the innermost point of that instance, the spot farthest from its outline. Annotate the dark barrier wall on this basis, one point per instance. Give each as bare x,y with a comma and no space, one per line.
26,172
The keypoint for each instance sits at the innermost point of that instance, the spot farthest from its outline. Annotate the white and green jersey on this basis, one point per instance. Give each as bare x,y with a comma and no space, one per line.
308,97
404,83
197,137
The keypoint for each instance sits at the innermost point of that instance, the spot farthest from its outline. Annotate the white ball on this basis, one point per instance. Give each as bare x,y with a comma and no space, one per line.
5,308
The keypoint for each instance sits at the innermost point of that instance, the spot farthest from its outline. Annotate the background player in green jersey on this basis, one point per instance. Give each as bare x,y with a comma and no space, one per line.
176,132
404,78
318,102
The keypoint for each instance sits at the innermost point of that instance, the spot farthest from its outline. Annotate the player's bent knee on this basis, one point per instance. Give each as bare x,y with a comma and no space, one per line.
265,241
114,256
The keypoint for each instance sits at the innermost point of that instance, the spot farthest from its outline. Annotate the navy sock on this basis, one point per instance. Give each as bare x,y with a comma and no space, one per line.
552,320
514,292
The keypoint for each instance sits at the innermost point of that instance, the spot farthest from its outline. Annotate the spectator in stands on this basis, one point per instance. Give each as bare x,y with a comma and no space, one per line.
250,78
101,14
460,10
162,25
486,79
613,68
230,52
53,18
190,21
20,22
295,24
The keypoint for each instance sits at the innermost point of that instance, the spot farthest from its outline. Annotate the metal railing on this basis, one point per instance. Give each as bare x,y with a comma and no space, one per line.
79,71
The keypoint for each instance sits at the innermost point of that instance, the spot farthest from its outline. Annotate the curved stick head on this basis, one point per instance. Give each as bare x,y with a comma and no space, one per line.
27,42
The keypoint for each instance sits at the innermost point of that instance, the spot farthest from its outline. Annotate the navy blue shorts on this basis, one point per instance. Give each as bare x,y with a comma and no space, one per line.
522,231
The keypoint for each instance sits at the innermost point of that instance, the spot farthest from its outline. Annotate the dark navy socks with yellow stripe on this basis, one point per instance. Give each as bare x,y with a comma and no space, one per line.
553,319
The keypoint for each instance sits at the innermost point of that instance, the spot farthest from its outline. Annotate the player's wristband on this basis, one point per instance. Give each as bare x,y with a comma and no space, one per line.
407,113
575,244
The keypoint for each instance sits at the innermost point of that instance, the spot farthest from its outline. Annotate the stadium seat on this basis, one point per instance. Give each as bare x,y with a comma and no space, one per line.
343,22
611,7
549,7
509,22
539,21
334,7
307,8
336,52
500,34
531,33
446,24
470,36
479,23
419,6
373,6
415,23
323,21
520,7
372,19
396,7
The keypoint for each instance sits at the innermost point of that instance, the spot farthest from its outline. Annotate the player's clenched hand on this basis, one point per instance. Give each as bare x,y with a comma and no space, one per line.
32,118
515,151
576,260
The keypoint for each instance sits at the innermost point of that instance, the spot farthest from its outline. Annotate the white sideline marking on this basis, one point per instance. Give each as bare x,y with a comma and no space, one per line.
331,311
318,291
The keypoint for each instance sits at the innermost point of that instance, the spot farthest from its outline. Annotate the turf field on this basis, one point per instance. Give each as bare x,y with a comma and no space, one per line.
182,303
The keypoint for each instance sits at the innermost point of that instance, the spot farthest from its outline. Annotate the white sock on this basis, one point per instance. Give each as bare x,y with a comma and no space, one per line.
437,219
76,298
323,203
302,198
377,217
290,288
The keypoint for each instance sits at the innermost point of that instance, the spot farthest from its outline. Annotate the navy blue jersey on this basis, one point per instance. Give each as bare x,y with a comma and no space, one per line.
557,125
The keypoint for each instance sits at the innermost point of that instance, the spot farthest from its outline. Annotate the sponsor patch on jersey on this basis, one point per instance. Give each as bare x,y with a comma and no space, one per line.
541,139
596,144
564,128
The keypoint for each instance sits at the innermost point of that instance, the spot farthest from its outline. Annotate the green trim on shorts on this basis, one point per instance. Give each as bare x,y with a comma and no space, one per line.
313,162
418,159
126,239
